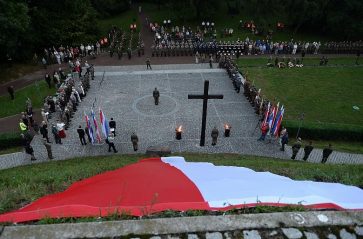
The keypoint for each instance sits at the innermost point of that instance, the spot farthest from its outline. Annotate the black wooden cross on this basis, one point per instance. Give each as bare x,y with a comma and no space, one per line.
205,98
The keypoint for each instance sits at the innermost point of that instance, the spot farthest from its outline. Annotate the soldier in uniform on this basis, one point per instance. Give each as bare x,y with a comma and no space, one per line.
326,153
134,141
48,147
307,150
214,135
295,148
156,95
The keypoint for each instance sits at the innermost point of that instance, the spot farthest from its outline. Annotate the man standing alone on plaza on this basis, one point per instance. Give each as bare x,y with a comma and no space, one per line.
156,95
81,135
148,65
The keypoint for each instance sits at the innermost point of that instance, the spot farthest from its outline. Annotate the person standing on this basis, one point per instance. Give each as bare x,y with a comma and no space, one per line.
210,61
48,147
284,140
29,150
214,135
110,142
129,53
48,80
135,141
264,129
44,131
81,135
307,150
11,92
112,125
295,148
55,133
156,95
197,57
22,126
326,153
148,65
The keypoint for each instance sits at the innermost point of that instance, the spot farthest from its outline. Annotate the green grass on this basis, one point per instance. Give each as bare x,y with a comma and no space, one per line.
325,95
34,92
22,185
123,21
261,61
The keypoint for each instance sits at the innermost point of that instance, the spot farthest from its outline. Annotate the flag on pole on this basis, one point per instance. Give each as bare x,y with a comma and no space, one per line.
104,123
266,114
277,124
275,114
89,127
271,117
98,137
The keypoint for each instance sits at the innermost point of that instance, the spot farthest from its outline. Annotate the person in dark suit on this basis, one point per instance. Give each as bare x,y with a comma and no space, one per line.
112,125
81,135
156,95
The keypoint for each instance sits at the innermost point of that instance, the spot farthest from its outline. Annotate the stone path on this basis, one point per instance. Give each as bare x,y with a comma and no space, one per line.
126,95
291,225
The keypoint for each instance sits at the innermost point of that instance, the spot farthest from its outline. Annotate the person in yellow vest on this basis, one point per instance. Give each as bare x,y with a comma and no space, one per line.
22,126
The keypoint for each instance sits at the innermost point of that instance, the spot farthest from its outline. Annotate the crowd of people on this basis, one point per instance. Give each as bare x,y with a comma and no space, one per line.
71,88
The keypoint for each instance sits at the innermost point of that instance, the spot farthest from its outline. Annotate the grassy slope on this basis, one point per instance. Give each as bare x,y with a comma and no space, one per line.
325,95
22,185
12,107
261,61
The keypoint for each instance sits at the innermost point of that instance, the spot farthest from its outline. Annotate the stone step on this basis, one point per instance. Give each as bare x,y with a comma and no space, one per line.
290,225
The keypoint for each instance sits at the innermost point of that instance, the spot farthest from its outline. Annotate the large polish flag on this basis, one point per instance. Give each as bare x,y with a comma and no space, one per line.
170,183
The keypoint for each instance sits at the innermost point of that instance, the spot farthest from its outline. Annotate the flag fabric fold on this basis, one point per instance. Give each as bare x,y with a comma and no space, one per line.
98,136
104,124
171,183
89,127
277,123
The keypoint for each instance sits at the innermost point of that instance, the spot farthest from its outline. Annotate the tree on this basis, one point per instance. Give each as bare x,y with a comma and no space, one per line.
14,26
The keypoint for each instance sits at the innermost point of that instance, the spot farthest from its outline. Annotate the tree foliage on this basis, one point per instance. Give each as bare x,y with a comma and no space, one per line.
14,26
110,7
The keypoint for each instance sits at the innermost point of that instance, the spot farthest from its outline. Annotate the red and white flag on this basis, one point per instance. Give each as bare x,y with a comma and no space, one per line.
171,183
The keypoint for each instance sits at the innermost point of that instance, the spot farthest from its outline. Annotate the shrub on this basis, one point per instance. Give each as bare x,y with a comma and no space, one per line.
325,131
9,140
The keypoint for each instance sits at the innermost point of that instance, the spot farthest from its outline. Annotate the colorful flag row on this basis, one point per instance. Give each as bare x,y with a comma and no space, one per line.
273,117
104,126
